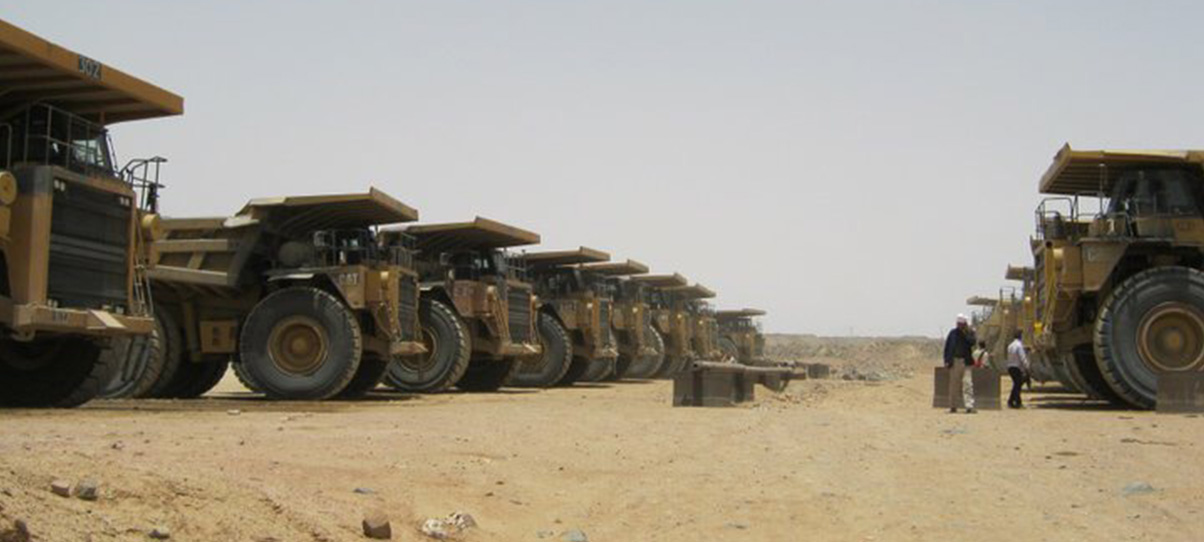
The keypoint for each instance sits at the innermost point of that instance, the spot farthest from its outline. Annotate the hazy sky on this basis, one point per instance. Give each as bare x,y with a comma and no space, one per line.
849,166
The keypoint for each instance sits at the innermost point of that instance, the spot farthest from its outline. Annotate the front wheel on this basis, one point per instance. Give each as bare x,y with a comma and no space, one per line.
553,362
598,370
58,373
301,343
448,350
1152,323
647,365
729,349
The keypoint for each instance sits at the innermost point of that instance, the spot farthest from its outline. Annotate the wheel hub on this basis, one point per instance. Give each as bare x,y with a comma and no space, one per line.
298,345
1171,337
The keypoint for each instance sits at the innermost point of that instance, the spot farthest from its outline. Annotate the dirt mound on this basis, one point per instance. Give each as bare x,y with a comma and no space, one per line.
885,358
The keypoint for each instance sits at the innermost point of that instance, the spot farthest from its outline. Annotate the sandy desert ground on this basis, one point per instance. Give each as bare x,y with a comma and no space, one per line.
827,460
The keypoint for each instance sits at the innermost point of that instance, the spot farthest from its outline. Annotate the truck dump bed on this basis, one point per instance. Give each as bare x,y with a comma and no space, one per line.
33,69
1085,172
662,281
562,258
212,252
732,314
696,291
479,234
617,269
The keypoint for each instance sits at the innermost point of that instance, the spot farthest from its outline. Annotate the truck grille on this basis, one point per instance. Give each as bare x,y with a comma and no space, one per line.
89,248
408,308
604,322
519,307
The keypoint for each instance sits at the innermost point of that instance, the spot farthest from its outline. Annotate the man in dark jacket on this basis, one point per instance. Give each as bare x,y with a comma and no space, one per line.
959,355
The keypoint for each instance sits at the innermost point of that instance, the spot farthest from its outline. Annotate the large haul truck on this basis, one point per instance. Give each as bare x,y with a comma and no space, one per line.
574,319
299,292
73,221
1119,269
670,320
640,349
479,309
740,337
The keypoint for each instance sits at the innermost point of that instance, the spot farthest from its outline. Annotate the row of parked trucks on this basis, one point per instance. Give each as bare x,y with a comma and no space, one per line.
303,297
1113,302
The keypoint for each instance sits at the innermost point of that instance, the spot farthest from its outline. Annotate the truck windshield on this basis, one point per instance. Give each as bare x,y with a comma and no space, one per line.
45,135
1147,192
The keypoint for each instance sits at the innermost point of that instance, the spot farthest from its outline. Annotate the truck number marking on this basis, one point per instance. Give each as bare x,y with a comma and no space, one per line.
89,67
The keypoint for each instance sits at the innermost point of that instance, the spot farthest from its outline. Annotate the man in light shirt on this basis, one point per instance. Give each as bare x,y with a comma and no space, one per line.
1017,368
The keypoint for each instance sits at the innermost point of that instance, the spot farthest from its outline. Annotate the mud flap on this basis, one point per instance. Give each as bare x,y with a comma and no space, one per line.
987,388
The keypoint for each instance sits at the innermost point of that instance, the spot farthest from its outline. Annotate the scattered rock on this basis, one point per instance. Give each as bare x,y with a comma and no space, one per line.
234,412
19,532
377,527
545,534
117,446
61,488
87,490
737,525
960,431
160,533
575,535
446,527
1137,488
365,491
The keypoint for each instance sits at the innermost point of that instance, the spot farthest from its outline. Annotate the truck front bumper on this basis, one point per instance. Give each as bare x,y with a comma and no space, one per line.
29,319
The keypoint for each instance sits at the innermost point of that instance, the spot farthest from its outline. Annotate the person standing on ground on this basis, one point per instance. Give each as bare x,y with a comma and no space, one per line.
1017,369
959,355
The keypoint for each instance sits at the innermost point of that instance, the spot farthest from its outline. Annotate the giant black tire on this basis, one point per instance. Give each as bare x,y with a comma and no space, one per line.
301,343
54,373
171,348
622,366
1062,375
673,364
488,374
1082,362
729,349
247,380
140,364
449,349
551,365
195,379
598,370
646,366
577,369
1152,323
371,372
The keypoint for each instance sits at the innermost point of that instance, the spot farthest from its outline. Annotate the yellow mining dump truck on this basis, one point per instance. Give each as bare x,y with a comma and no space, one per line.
482,309
740,336
704,333
640,348
1117,256
574,319
73,221
300,292
669,320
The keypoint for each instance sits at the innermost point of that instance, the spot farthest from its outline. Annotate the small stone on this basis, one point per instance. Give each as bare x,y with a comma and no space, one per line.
1137,488
463,520
575,535
61,488
87,490
545,534
736,525
365,491
160,533
117,446
377,527
19,532
234,412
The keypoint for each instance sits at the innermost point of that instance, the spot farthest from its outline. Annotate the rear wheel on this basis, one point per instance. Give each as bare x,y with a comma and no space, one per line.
1152,323
1086,371
448,350
577,369
553,363
195,379
729,350
488,374
647,365
246,379
60,373
301,343
372,370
